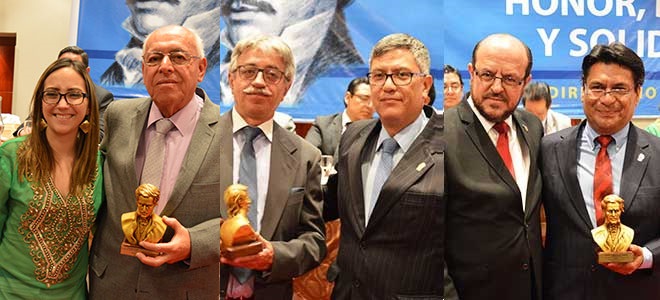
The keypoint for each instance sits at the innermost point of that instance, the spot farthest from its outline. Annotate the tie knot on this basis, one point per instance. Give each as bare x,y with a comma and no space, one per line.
389,146
164,125
604,140
251,133
501,127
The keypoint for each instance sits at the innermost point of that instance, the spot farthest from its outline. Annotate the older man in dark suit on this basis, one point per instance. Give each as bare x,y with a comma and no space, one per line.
606,154
391,183
493,179
170,140
286,194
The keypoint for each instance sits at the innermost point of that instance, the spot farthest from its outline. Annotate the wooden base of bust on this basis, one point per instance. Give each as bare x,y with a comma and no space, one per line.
241,250
615,257
132,250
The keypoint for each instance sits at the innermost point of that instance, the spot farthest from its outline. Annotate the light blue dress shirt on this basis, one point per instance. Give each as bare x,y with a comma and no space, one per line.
588,149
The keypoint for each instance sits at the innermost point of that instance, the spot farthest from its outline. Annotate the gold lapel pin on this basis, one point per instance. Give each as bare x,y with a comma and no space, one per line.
525,127
421,166
640,157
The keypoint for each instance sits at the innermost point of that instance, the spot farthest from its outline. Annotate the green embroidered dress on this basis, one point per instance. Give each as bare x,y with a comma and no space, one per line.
43,237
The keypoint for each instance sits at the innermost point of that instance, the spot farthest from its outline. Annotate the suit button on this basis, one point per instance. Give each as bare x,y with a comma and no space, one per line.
356,284
363,245
593,268
525,267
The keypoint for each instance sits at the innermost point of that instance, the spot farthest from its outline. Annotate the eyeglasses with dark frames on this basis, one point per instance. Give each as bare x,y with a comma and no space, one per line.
400,78
71,97
489,77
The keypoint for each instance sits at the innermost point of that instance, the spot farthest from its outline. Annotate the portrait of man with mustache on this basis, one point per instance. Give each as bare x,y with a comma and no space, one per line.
201,16
297,22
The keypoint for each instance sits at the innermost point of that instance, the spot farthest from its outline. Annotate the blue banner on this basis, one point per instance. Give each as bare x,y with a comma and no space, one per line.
331,40
331,43
560,33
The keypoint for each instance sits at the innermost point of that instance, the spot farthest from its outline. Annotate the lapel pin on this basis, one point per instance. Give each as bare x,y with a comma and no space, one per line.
640,157
525,127
421,166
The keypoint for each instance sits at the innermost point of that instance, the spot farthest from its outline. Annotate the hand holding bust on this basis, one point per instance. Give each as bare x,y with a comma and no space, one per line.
236,235
142,224
612,237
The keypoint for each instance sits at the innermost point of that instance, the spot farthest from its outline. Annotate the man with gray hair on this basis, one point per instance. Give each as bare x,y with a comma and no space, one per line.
390,189
286,196
170,140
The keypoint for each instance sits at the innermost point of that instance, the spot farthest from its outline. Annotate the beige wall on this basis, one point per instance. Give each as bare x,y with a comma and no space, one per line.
42,29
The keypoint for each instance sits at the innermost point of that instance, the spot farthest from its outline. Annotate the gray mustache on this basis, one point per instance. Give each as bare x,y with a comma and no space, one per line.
257,91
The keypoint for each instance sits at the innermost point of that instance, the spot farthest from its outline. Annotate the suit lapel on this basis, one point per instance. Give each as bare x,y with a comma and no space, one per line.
282,161
226,166
358,152
634,165
201,140
483,143
532,145
137,124
566,154
335,127
413,165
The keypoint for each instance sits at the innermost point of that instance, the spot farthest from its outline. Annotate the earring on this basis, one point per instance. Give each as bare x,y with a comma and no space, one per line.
43,124
85,126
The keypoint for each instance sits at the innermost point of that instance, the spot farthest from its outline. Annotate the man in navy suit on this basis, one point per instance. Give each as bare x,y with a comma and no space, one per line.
392,238
607,146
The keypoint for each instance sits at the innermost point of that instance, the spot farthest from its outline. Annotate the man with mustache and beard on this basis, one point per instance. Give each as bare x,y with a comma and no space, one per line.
493,236
148,15
298,23
286,195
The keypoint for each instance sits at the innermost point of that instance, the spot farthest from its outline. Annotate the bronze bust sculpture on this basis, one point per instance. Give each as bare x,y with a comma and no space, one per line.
236,235
612,237
142,224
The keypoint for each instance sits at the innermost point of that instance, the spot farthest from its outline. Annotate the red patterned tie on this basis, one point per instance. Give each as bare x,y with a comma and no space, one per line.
503,145
602,176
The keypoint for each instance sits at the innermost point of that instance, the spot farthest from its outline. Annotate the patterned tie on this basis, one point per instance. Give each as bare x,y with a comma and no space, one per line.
503,146
247,175
153,162
602,176
383,171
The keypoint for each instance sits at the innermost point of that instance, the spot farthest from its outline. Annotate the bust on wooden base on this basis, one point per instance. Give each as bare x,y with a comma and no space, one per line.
237,238
142,224
612,237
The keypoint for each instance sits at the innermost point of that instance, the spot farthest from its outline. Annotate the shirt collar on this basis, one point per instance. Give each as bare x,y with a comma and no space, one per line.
620,137
345,119
407,135
184,119
238,124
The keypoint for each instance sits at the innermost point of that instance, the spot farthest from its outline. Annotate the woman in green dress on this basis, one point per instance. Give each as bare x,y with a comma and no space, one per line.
51,189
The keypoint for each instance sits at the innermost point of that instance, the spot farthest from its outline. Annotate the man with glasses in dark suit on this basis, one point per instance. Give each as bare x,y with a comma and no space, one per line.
390,183
493,179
